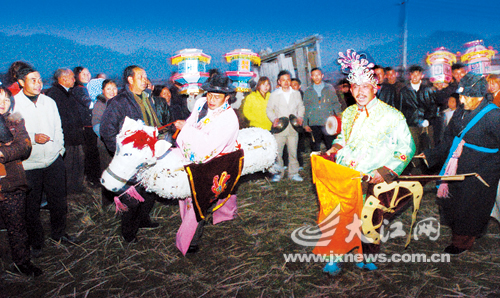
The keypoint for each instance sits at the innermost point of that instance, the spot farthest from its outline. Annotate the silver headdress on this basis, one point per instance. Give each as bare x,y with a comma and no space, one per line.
360,69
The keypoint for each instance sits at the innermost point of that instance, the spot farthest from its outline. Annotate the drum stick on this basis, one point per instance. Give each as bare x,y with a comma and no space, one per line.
423,157
176,133
160,128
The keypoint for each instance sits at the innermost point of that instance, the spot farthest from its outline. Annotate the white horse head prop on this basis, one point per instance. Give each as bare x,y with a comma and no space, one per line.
136,145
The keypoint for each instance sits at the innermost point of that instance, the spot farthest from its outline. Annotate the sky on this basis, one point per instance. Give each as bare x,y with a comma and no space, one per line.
218,27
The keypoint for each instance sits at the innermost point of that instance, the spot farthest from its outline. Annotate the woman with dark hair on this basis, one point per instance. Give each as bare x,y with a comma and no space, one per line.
14,87
162,98
254,108
81,94
109,91
494,88
13,186
179,100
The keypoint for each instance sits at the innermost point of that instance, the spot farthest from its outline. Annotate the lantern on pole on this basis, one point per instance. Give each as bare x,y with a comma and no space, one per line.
477,57
191,72
240,72
440,62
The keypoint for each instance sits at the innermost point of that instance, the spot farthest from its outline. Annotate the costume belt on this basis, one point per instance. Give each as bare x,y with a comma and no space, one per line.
458,139
481,149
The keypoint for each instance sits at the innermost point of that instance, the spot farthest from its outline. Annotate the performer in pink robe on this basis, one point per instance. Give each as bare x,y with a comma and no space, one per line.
209,132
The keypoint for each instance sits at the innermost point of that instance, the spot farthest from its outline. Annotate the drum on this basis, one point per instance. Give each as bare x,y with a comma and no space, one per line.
333,125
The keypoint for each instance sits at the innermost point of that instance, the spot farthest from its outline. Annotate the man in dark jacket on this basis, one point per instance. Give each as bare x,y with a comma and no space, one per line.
134,103
178,103
418,105
72,128
320,101
131,102
473,137
385,91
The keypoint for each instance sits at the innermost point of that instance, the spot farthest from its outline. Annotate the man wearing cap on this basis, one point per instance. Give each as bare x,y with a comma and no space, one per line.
472,137
282,103
374,140
320,101
134,103
211,131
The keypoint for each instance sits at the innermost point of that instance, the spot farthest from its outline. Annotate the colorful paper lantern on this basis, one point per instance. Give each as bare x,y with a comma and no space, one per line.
240,73
477,57
192,73
440,62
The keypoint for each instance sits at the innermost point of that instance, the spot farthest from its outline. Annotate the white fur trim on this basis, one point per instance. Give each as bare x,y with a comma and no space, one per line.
168,179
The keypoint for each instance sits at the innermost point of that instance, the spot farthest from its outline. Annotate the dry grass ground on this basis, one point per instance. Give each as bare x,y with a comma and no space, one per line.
241,258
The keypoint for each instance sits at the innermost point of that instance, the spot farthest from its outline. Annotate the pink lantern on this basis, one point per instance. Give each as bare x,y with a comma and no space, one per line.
192,73
477,57
240,68
440,62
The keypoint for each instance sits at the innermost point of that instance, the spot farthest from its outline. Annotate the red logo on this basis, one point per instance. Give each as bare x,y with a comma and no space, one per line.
220,184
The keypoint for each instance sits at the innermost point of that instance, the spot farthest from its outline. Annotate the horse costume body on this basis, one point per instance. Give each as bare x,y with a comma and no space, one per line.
141,157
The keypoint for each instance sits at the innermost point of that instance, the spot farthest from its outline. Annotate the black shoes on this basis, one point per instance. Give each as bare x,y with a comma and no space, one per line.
193,249
66,239
36,251
29,269
132,239
453,250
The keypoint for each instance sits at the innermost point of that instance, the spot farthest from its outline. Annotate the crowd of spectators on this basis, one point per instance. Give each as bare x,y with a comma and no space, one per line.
65,135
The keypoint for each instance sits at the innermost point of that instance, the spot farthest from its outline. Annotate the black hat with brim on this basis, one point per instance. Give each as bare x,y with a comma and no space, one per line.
219,84
282,125
473,85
